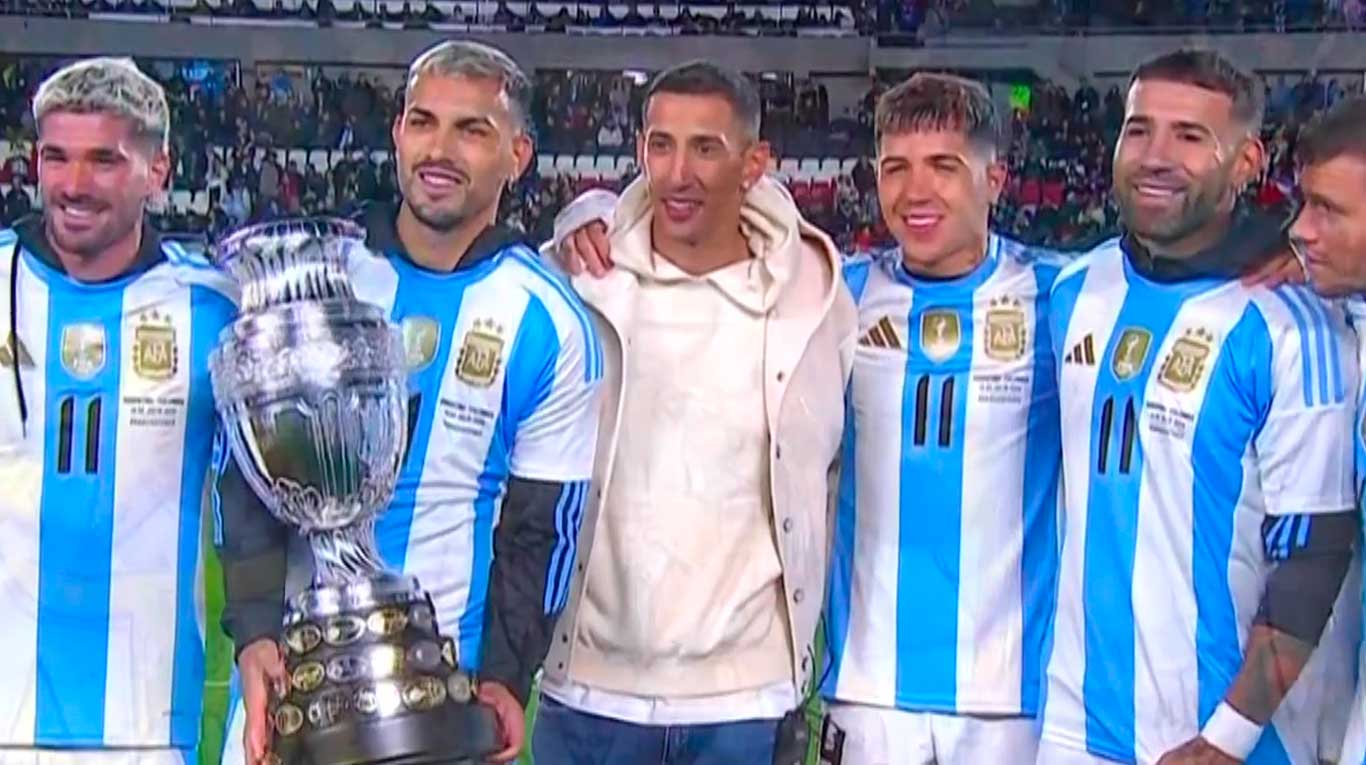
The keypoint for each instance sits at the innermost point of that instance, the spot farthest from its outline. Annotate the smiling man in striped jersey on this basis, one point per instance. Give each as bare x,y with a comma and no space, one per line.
505,365
1206,454
106,427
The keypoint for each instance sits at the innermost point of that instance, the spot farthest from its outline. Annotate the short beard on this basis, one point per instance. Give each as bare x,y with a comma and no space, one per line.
1199,207
443,223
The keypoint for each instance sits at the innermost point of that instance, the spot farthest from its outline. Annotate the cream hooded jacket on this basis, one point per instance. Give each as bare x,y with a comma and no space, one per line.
808,353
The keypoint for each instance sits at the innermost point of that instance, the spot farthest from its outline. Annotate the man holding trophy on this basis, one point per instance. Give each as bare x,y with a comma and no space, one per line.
469,481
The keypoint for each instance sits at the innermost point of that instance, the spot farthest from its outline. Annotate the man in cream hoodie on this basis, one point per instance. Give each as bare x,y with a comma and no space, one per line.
729,338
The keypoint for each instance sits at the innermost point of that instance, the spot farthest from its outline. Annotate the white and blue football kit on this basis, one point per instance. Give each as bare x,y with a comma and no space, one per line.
505,365
1354,747
945,544
1210,427
106,430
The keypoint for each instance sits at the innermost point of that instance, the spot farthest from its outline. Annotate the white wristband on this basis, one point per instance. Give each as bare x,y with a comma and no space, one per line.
1231,733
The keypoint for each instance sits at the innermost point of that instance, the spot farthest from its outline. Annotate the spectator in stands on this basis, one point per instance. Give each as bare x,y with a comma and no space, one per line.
15,204
609,136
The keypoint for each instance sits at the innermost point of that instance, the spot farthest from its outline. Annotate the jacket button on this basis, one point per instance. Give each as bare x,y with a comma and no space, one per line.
777,452
781,376
798,596
806,663
787,524
564,637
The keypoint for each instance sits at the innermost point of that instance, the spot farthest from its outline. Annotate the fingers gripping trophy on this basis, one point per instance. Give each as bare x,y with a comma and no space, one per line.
311,387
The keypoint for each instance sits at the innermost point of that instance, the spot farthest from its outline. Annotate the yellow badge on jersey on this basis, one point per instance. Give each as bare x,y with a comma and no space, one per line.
1130,352
421,335
1006,333
481,354
83,347
12,351
155,354
1183,367
941,333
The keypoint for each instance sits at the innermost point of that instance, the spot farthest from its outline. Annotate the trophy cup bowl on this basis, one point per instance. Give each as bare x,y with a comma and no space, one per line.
310,384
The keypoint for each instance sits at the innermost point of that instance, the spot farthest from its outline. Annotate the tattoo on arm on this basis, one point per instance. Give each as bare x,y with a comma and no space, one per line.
1273,662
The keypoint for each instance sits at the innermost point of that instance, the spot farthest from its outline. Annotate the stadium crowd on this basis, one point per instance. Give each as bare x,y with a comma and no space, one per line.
917,18
226,141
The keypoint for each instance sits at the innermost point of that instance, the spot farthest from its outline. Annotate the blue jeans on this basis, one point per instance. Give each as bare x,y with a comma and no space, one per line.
565,736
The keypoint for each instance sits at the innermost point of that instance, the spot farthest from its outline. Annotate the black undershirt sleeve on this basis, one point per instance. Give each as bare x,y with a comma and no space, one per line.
1311,554
533,557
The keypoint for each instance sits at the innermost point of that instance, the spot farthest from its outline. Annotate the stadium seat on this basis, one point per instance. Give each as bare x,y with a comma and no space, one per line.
4,150
847,166
564,164
626,165
199,203
180,200
788,168
379,156
829,168
318,159
545,165
585,165
809,168
606,167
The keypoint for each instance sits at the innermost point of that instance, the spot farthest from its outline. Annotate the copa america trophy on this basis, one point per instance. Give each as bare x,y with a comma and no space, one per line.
311,386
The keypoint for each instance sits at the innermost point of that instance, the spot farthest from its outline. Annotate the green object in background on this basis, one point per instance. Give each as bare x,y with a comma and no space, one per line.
1021,96
217,656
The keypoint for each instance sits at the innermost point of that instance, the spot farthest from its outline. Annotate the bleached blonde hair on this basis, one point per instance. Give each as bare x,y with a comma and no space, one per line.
112,86
466,58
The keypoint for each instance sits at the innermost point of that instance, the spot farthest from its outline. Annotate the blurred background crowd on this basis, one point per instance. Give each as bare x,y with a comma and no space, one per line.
305,141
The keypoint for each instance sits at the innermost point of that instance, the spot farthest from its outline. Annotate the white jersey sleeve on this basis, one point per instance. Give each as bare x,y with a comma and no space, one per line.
1304,448
553,396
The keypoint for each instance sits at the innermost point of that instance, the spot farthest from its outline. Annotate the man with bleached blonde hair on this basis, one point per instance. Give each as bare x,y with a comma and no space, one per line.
106,436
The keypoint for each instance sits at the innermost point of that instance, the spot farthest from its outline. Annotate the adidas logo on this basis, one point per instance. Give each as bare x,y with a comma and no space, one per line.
1082,353
7,354
881,335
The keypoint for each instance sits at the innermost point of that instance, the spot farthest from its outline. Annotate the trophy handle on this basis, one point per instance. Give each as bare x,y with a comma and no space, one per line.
345,555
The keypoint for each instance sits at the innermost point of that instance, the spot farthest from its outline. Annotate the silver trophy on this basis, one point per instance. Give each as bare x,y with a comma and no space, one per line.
311,386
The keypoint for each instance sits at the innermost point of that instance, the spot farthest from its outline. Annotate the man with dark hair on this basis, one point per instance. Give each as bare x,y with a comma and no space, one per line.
944,559
1330,237
1206,454
691,621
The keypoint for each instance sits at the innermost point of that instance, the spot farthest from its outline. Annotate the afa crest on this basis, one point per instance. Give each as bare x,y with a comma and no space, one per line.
941,333
1007,337
83,349
1184,366
481,354
155,353
421,336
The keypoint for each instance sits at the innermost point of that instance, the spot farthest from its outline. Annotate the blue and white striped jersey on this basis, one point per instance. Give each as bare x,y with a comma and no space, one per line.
101,607
505,367
1208,408
945,545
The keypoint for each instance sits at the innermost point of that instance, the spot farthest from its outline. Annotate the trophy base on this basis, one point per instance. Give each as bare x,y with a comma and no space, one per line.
373,682
449,735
